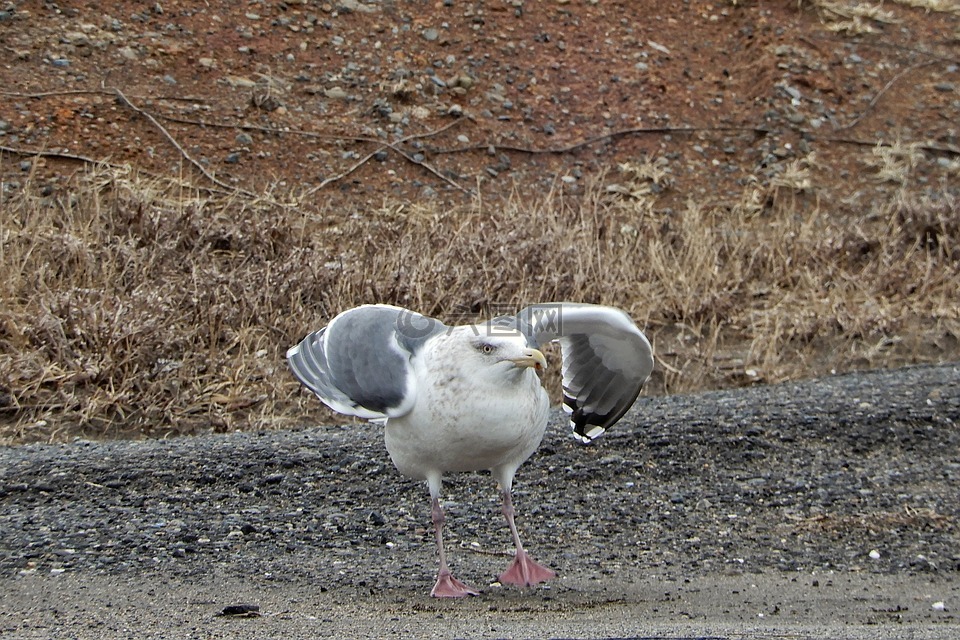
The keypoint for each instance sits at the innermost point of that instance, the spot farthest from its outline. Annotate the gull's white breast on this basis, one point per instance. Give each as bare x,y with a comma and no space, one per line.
466,422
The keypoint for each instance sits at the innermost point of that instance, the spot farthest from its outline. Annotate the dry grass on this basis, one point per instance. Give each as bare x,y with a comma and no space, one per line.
137,306
854,17
939,6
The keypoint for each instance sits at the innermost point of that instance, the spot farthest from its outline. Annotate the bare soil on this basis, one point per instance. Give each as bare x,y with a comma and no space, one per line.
500,97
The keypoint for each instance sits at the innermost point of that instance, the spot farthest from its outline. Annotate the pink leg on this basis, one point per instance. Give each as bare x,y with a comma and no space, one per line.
447,586
523,571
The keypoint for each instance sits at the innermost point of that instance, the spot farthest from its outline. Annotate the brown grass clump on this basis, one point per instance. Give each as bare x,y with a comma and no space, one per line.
141,306
134,305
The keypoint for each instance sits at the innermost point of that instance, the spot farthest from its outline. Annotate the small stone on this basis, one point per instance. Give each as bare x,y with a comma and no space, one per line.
945,87
659,47
206,63
791,91
76,38
232,158
335,93
241,611
244,138
455,110
431,34
346,6
794,117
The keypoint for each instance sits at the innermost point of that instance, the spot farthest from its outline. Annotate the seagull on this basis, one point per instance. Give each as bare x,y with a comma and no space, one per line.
469,398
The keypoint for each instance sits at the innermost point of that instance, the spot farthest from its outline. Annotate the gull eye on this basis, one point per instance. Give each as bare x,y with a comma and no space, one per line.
486,349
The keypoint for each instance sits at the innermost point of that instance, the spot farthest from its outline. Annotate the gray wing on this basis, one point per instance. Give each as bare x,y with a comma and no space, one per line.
606,359
359,364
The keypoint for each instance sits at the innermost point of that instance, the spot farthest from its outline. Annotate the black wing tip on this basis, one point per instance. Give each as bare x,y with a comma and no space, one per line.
588,426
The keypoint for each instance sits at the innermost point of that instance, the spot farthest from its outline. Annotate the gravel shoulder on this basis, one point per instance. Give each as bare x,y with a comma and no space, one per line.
825,508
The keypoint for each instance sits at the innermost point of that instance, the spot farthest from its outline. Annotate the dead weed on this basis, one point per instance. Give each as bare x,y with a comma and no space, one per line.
133,305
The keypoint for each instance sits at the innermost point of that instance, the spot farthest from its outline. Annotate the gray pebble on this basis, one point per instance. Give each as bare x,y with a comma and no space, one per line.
244,138
794,117
431,34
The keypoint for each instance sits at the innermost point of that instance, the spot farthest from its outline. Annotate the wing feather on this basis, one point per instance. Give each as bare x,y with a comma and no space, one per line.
359,364
606,359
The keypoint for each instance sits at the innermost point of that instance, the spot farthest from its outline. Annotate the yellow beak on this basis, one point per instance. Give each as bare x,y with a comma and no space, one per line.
531,358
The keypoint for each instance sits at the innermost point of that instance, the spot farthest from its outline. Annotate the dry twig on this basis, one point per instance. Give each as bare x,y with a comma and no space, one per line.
166,134
882,91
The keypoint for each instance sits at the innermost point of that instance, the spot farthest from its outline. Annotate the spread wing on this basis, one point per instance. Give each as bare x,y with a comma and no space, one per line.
606,359
359,364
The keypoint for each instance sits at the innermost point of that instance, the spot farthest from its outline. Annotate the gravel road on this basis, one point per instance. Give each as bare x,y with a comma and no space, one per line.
826,508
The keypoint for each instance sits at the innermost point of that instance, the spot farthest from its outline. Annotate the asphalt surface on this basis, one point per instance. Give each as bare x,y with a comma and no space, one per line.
819,509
